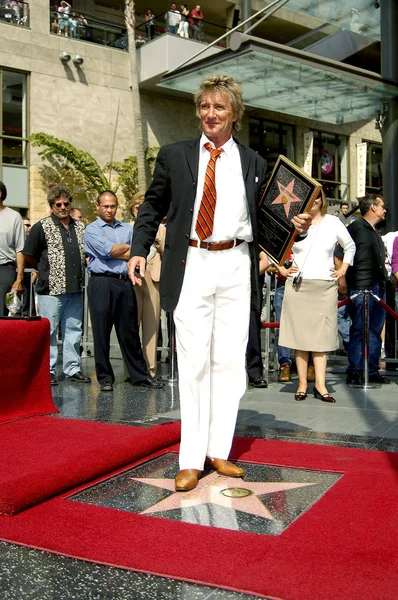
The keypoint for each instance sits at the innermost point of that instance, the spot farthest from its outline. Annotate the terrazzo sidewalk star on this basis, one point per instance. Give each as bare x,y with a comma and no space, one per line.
223,491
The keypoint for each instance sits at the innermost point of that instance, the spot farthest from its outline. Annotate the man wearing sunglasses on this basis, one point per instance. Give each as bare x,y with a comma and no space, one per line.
55,246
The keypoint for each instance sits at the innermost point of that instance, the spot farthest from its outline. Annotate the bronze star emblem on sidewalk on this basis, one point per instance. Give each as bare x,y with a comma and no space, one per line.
223,491
286,196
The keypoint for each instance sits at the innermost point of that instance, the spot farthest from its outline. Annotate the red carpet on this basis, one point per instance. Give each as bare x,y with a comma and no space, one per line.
344,547
25,369
43,456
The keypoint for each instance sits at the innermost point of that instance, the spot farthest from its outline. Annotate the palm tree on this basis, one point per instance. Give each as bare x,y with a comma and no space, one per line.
65,164
129,15
79,159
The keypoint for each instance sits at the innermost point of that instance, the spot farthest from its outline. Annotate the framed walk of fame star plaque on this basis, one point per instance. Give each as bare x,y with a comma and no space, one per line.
289,192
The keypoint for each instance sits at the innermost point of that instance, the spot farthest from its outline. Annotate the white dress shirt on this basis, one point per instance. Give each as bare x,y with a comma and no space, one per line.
231,217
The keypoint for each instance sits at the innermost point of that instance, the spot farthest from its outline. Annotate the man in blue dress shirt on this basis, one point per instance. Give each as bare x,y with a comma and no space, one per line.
111,297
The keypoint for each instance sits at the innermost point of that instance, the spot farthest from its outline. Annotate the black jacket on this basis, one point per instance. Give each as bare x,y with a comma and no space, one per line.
172,193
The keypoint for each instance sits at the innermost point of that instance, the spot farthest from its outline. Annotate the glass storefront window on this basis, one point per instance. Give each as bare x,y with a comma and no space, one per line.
13,104
330,165
270,139
14,152
13,137
374,167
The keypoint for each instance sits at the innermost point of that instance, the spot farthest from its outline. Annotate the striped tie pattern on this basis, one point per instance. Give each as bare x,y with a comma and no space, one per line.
205,220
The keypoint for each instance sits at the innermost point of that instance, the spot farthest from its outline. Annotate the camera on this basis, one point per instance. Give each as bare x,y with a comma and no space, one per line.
297,279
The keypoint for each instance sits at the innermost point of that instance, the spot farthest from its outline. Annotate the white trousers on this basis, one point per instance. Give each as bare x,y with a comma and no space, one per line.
211,322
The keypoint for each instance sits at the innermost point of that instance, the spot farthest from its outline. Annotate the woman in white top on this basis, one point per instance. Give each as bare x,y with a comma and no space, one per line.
309,310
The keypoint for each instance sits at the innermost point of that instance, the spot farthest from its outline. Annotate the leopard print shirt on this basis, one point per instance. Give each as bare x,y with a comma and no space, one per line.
56,254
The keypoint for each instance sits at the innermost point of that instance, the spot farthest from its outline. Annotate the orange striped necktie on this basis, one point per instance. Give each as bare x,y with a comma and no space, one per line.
205,219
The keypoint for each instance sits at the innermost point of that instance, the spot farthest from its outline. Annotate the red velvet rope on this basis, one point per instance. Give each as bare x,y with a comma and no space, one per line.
387,308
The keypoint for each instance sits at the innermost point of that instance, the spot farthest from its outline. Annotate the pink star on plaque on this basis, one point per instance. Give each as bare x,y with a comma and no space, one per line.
286,196
224,491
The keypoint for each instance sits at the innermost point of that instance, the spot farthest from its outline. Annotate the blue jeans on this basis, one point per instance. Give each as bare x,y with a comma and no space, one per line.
344,323
376,321
283,353
173,29
67,310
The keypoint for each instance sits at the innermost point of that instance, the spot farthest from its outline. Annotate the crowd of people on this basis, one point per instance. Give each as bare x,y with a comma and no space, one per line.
184,22
338,258
67,22
13,11
210,281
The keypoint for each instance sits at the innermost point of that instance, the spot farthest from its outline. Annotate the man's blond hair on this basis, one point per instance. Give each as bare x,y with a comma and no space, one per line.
225,85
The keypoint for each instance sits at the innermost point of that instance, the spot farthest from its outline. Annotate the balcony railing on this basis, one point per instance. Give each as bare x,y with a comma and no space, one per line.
15,13
87,27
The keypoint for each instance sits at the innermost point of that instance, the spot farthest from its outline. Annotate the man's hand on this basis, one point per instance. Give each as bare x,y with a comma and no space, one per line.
287,272
136,267
302,222
18,286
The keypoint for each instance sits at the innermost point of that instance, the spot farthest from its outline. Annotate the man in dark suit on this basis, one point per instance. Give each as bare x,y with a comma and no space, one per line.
209,189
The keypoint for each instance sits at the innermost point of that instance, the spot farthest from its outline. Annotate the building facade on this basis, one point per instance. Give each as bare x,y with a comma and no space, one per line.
87,101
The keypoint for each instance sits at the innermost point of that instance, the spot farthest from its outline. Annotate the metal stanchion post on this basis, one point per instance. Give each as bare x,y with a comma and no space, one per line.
86,351
268,318
31,292
172,378
366,385
366,339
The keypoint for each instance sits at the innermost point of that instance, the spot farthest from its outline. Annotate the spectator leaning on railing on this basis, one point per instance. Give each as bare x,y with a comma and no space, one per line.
173,18
195,21
183,29
72,25
149,24
63,17
81,26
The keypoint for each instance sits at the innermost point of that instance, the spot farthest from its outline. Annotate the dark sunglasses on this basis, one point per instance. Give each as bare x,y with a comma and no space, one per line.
27,225
59,204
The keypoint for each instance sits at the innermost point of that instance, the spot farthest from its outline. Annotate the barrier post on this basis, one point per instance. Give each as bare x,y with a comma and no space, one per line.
31,312
172,378
268,318
365,385
366,339
85,342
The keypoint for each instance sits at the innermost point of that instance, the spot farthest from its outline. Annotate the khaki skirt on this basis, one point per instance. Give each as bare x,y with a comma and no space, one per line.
309,316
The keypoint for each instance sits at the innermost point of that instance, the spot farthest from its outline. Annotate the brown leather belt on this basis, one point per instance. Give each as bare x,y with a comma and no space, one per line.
215,245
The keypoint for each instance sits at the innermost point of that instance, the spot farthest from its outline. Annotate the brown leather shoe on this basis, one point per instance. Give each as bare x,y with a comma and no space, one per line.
187,480
284,373
311,373
224,467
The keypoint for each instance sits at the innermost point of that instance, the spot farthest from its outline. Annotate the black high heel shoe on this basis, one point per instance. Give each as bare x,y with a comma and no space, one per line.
323,397
300,395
